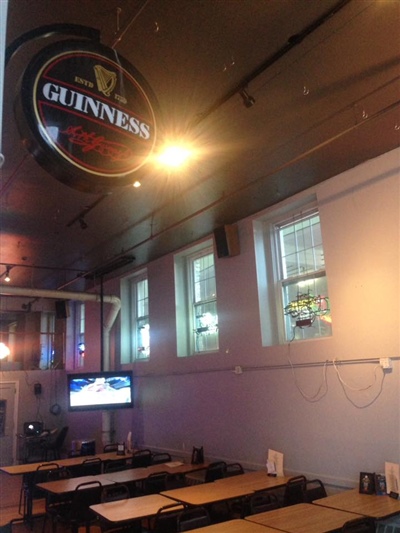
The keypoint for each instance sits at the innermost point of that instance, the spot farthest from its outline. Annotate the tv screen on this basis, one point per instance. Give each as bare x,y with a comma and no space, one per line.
100,390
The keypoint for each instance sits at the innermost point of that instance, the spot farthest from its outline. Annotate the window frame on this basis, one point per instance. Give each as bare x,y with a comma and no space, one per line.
137,318
270,271
185,319
195,304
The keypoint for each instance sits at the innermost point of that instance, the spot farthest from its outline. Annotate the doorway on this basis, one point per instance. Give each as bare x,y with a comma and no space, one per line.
8,422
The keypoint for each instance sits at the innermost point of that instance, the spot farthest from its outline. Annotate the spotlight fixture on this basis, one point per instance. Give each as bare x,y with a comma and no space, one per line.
7,274
248,100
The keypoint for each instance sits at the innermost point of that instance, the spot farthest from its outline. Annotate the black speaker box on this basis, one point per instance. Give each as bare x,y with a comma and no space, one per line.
62,309
227,240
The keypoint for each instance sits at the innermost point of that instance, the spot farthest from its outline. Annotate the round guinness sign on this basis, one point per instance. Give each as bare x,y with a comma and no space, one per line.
88,116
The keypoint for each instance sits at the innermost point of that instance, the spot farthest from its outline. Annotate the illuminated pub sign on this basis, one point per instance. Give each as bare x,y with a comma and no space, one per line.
86,115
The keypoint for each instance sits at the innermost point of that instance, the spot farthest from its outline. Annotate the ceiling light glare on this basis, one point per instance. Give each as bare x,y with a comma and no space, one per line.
4,350
174,156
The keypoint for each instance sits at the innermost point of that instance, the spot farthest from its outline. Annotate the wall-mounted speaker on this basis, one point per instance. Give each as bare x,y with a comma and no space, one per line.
62,309
227,240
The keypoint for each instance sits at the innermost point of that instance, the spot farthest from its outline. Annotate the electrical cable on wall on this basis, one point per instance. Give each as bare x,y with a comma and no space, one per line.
322,389
345,386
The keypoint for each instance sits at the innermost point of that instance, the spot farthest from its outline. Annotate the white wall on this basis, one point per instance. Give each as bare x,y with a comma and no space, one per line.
200,401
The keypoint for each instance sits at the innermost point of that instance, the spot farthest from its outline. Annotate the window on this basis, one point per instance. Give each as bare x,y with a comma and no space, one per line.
302,277
135,321
79,334
196,300
292,282
203,302
140,318
47,325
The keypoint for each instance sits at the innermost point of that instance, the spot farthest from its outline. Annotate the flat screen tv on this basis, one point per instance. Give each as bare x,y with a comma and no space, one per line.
100,390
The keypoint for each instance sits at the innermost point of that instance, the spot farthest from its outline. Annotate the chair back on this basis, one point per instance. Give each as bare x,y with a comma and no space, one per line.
60,438
85,495
141,459
59,473
113,493
313,489
359,525
294,491
193,518
215,471
155,483
91,467
160,458
166,519
115,466
112,447
233,469
40,476
261,502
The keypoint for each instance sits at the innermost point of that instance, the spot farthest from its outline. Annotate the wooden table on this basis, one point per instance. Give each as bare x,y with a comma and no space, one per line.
303,518
377,507
254,481
139,474
131,509
236,526
29,468
65,486
207,493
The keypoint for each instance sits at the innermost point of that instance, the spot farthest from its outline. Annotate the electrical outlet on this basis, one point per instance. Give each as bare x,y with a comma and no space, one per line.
238,370
385,362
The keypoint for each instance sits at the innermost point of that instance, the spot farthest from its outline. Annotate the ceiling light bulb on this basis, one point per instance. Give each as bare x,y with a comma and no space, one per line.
4,350
174,156
7,276
137,184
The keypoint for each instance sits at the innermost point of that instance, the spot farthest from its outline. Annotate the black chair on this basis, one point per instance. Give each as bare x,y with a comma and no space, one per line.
29,490
166,519
313,489
79,514
193,518
141,458
90,467
113,493
56,504
263,501
155,483
359,525
215,471
112,447
233,469
53,447
115,466
116,492
294,491
160,458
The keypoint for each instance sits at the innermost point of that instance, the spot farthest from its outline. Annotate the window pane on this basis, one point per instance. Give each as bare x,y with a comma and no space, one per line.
301,247
143,339
204,294
204,278
140,339
307,313
206,327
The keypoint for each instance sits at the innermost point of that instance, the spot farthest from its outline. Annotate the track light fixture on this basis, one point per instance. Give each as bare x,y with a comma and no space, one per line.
7,274
248,100
82,223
